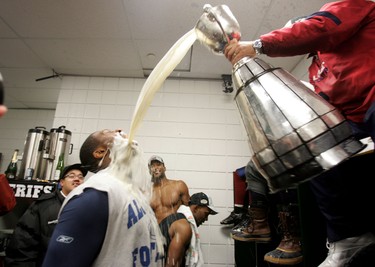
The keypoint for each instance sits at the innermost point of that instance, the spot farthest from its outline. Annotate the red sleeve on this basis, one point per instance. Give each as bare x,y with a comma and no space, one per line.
321,31
7,198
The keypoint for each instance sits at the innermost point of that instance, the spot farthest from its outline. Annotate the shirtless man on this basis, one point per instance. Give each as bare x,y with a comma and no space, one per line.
168,195
185,246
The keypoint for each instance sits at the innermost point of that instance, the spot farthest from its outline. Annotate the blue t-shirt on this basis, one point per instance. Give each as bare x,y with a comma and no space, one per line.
80,231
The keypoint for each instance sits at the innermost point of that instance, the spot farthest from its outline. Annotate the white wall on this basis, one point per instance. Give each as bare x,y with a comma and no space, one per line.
193,125
14,127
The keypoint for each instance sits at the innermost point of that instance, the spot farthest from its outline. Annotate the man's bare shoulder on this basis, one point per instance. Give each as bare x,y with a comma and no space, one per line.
177,182
181,232
182,226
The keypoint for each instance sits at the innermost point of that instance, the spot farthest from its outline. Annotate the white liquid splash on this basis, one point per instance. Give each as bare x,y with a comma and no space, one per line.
158,75
129,167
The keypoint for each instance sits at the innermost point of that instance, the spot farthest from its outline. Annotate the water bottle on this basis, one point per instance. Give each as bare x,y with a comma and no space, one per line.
59,167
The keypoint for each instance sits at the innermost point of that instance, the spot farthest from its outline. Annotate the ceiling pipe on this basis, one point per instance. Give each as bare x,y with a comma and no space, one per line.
54,75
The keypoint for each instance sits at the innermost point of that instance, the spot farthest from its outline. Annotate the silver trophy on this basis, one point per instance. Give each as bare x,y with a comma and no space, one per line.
294,134
216,27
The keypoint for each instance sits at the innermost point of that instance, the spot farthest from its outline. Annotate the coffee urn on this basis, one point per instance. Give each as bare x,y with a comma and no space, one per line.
34,148
59,144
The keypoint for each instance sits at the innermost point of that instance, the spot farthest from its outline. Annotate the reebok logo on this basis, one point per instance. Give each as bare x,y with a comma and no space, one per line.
64,239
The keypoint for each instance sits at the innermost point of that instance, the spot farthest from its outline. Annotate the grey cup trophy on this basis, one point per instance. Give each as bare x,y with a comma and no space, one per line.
294,134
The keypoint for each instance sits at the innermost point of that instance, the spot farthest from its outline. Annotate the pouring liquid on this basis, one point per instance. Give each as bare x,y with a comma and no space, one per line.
129,166
158,75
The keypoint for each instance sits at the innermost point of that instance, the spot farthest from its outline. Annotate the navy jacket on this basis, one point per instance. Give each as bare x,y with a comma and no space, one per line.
33,231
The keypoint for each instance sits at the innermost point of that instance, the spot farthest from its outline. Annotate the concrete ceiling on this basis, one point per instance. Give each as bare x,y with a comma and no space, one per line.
118,38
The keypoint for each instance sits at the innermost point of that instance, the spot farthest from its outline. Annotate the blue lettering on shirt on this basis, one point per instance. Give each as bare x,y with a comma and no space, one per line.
142,255
132,217
140,210
134,213
145,256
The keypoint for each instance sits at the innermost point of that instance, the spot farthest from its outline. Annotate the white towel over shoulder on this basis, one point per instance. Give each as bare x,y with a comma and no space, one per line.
194,255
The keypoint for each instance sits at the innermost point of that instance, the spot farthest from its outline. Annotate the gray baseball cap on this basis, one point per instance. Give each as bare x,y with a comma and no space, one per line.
155,158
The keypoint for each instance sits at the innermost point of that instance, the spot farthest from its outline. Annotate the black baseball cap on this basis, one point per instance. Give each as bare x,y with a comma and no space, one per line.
76,166
201,199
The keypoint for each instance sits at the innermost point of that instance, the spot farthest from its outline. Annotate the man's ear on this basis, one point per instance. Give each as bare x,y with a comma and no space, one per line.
194,208
99,152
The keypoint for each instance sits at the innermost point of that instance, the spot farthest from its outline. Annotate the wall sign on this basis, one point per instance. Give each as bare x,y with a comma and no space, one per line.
31,190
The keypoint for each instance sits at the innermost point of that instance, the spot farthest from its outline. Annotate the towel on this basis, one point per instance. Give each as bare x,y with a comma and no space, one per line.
194,255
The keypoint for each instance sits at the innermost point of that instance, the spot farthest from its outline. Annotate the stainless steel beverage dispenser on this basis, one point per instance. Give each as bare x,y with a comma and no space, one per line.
34,149
59,143
293,134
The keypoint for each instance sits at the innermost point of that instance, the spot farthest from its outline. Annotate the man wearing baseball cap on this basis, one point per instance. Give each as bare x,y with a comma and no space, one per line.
30,239
201,199
155,158
185,245
168,194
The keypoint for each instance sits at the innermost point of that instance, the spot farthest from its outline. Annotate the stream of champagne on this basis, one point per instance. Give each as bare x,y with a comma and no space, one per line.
157,77
153,83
